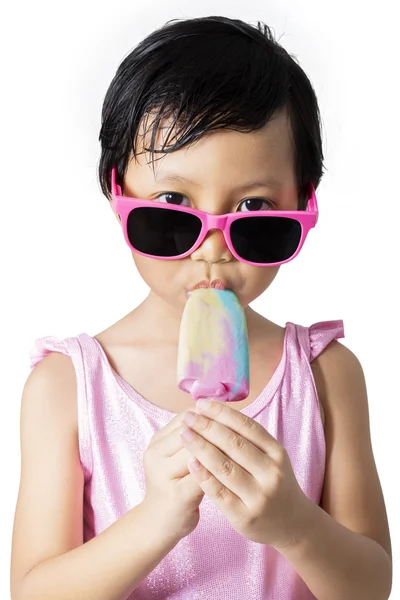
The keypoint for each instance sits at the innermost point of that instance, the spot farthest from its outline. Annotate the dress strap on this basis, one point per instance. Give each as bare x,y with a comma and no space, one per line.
315,339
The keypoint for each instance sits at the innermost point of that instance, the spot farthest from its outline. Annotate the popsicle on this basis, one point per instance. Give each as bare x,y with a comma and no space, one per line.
213,355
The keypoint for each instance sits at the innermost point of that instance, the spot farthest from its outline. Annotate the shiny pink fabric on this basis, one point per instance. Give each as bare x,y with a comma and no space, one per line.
116,425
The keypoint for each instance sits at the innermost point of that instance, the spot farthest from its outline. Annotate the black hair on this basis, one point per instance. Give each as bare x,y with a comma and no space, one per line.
204,74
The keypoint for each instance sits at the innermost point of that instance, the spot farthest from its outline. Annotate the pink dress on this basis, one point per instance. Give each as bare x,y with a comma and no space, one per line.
116,425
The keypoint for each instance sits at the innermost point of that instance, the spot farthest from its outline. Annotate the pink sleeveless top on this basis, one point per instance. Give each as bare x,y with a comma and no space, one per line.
116,425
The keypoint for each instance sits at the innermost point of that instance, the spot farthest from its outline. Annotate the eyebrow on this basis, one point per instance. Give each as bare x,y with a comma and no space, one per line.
268,182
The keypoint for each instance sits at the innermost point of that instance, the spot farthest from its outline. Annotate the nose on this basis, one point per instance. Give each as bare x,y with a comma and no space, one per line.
213,249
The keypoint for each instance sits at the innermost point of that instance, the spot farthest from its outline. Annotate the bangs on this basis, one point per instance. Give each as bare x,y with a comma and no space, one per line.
200,75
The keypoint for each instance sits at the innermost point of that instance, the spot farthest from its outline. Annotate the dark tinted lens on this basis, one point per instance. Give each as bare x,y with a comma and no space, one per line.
265,239
161,231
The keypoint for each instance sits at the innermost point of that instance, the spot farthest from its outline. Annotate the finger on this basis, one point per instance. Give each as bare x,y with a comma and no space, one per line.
169,444
234,449
190,488
244,426
224,498
176,467
172,448
226,472
175,423
166,429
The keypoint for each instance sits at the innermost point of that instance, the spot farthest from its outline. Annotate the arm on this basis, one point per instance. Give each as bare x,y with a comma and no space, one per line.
108,567
49,560
344,549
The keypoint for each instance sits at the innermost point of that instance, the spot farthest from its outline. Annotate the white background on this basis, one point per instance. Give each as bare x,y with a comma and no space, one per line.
64,264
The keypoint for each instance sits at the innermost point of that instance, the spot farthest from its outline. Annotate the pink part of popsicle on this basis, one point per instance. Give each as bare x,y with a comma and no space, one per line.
218,390
216,375
220,381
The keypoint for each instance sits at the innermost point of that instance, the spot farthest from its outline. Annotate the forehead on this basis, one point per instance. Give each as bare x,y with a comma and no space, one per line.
269,148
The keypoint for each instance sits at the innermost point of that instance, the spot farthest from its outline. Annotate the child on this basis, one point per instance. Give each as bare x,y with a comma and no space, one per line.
209,115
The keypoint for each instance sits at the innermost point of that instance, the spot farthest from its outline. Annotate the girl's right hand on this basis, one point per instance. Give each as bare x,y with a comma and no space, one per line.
172,494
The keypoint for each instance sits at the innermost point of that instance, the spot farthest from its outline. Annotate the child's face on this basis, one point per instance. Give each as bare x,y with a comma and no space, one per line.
217,165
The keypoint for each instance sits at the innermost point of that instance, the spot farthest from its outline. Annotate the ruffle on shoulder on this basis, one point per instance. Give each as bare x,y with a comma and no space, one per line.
322,333
44,346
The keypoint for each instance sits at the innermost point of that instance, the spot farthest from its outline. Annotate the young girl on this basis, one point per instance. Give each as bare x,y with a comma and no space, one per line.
124,493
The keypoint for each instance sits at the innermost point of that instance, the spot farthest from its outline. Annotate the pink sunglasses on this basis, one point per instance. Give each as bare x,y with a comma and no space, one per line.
168,232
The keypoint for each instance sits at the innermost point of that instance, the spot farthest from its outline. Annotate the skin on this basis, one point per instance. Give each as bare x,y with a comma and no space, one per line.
341,548
216,172
217,165
319,541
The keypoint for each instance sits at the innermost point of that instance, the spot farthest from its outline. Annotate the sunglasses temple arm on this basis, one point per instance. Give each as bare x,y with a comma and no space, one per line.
115,189
312,203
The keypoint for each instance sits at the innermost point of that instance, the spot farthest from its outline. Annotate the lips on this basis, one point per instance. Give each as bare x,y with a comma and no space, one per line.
215,283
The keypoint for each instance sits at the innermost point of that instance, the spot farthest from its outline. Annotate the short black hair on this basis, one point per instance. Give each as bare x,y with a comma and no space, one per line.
209,73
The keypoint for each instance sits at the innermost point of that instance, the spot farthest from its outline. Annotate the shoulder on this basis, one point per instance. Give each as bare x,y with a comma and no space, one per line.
338,374
54,367
352,493
336,358
51,387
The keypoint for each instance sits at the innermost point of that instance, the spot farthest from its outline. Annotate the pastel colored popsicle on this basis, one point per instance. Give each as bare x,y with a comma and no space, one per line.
213,355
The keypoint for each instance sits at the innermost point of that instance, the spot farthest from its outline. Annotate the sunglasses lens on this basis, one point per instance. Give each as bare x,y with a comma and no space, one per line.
265,239
162,232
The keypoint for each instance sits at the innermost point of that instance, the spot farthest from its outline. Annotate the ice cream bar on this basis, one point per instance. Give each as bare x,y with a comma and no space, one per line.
213,355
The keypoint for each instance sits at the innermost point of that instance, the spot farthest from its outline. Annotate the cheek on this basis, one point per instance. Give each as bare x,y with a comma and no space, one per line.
255,280
159,275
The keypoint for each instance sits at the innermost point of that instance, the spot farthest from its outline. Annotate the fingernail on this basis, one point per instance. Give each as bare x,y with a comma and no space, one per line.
188,434
194,464
203,404
190,418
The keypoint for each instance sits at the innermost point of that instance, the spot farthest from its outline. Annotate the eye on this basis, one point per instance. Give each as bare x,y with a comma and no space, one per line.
255,204
173,198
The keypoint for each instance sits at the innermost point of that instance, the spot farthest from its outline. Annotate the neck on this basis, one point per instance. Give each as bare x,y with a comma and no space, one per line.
158,319
161,321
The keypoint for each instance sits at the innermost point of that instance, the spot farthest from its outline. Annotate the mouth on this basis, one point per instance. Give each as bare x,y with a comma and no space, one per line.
215,283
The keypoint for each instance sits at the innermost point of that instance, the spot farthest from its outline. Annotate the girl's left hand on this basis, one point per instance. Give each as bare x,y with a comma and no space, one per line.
248,475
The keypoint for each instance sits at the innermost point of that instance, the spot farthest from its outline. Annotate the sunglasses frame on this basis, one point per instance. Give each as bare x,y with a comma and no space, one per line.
123,205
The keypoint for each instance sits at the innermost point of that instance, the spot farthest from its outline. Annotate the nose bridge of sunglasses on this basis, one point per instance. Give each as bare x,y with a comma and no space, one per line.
216,222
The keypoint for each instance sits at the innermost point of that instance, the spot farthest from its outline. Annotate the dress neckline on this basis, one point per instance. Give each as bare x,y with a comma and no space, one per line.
266,395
